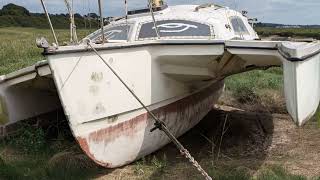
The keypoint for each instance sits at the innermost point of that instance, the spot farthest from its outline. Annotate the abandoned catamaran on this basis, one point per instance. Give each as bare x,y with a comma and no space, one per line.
175,63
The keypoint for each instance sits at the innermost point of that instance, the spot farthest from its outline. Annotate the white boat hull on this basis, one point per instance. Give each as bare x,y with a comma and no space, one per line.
177,72
178,80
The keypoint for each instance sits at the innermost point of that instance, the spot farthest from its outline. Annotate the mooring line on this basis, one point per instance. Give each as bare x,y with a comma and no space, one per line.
159,124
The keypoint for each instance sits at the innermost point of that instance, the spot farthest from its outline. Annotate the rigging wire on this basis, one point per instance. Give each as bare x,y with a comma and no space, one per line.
226,13
89,16
101,21
84,15
237,18
49,21
126,9
153,18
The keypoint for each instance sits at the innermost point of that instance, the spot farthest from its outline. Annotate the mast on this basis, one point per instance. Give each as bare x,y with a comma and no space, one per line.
101,20
50,23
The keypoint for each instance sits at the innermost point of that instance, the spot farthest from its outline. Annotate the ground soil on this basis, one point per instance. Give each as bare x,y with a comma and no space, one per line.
251,141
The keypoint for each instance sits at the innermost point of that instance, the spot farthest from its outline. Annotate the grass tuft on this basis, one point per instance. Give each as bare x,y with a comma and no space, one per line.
232,174
278,173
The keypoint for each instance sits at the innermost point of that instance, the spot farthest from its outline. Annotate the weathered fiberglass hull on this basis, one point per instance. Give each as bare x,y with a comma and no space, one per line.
179,80
122,143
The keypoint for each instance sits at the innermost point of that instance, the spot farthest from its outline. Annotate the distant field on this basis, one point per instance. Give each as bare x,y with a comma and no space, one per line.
290,32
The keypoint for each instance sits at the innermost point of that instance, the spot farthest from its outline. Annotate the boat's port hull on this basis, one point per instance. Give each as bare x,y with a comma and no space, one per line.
122,143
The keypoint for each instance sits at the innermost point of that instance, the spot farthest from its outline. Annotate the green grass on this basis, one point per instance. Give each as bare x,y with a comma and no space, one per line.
249,86
18,48
317,116
33,154
267,173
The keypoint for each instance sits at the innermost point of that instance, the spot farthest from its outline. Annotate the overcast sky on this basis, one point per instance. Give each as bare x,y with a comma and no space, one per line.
274,11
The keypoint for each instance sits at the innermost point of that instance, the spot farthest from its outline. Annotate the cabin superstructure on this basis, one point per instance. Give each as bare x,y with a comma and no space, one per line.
181,22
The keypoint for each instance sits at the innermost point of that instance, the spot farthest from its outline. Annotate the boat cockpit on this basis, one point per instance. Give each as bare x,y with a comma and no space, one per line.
188,22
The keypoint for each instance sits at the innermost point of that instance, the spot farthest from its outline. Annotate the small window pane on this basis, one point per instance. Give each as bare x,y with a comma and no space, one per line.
238,26
119,32
175,28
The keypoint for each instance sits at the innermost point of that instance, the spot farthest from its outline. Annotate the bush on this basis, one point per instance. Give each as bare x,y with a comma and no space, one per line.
29,139
246,87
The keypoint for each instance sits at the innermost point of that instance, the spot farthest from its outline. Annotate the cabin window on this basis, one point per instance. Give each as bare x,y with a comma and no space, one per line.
238,26
175,29
118,32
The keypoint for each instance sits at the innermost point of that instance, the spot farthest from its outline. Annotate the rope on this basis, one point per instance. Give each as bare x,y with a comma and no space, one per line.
159,124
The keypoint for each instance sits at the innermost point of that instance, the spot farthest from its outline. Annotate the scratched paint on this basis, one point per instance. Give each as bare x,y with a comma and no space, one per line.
130,140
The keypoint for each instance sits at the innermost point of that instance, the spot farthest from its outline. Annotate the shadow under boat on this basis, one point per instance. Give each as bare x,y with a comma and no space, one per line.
223,135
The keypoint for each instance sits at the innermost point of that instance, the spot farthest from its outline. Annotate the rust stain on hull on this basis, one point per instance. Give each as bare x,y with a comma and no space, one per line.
126,128
85,147
185,112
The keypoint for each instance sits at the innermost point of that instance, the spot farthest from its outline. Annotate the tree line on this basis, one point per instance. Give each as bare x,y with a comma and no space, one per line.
12,15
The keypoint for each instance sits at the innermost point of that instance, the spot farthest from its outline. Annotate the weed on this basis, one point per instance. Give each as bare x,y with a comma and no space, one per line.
9,172
159,165
317,116
231,174
245,87
139,168
29,139
278,173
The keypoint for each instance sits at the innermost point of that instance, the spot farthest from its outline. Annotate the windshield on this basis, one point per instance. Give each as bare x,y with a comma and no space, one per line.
116,32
